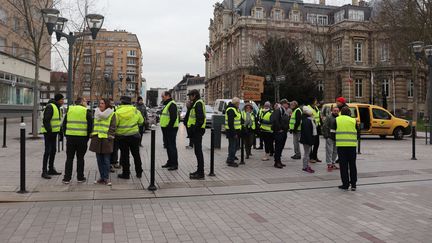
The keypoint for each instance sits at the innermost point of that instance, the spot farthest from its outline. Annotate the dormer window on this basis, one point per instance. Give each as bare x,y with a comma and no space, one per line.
259,13
356,15
277,14
295,16
339,16
318,19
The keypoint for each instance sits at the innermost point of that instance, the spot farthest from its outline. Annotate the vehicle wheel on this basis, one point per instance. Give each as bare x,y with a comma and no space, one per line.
383,136
398,133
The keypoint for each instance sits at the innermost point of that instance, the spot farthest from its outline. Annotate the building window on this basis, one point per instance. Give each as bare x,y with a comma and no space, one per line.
131,53
410,88
356,15
386,87
14,49
131,61
358,51
339,16
358,88
295,16
3,16
339,53
320,85
2,44
87,60
319,59
318,19
259,13
384,52
277,14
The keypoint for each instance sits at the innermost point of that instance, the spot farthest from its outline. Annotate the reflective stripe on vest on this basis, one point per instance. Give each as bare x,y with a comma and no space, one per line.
293,119
252,119
346,132
266,121
128,118
316,115
101,126
165,116
55,120
76,124
237,118
192,115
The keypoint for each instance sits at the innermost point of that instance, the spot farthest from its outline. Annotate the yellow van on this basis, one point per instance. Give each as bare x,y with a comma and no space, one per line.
375,120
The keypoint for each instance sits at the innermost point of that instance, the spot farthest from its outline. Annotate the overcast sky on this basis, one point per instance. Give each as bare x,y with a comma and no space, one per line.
173,34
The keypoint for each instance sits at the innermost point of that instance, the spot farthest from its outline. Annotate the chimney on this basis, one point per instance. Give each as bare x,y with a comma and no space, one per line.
322,2
355,2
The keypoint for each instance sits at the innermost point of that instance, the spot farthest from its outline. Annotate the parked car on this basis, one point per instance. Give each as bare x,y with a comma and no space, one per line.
375,120
221,104
209,114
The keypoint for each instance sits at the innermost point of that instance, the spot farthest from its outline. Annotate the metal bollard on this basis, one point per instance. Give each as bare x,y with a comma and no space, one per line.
359,143
58,143
4,132
152,186
212,147
414,135
242,159
23,158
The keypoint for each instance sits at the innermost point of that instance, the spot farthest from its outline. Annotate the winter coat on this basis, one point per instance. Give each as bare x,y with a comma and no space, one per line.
306,134
104,145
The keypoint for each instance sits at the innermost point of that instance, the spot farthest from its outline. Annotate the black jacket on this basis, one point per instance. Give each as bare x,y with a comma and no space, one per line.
89,124
306,135
328,125
48,114
280,120
172,110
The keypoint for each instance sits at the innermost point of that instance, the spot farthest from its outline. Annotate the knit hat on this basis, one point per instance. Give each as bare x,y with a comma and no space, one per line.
58,97
341,100
267,104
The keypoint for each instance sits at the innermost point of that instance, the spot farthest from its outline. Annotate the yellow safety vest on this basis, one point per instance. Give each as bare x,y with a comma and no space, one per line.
293,119
128,118
76,124
346,132
165,116
101,126
265,121
55,120
252,119
237,118
316,115
192,115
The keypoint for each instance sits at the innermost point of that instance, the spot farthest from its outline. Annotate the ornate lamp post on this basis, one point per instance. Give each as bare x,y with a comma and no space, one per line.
54,23
428,52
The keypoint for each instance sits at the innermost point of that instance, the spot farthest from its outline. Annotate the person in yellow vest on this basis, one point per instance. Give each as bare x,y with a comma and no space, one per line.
318,121
128,120
169,123
102,139
266,130
346,143
248,128
196,123
295,127
233,128
50,128
77,126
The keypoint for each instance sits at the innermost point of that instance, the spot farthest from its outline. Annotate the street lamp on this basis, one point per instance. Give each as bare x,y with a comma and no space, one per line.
56,24
428,52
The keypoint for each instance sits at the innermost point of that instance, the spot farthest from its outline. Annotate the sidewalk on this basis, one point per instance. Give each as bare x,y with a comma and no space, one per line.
381,161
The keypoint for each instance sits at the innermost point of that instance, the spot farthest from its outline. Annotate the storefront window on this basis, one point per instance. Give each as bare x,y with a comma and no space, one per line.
14,92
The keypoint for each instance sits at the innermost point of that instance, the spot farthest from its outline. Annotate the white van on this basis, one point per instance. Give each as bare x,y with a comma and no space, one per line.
221,104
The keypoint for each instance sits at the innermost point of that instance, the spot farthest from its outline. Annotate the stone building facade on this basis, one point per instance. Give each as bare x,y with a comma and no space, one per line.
348,56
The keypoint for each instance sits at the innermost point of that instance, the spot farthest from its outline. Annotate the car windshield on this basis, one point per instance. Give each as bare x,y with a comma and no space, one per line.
209,109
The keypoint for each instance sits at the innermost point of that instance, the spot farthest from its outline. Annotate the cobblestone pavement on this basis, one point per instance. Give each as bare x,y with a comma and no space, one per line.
381,161
396,212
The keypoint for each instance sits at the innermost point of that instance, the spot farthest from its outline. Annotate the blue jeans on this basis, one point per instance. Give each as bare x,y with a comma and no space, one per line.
233,145
104,162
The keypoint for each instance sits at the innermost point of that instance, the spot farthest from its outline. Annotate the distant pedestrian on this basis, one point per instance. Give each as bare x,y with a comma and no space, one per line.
169,122
233,128
248,128
280,125
266,130
51,123
143,109
295,126
330,135
317,116
307,136
102,139
128,120
258,131
114,156
196,124
188,109
346,143
341,103
77,126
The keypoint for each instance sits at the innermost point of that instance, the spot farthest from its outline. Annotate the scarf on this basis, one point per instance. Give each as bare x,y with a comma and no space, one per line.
99,115
248,120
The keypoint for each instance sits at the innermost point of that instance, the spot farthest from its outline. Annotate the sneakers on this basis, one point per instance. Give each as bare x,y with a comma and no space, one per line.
329,167
66,182
342,187
335,167
308,170
197,176
82,180
318,160
46,176
296,157
312,161
53,172
103,182
265,158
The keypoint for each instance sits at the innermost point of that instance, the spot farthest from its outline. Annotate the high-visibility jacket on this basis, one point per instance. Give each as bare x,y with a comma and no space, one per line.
128,118
252,116
101,126
237,118
55,120
76,121
294,118
192,115
165,116
265,121
346,132
316,115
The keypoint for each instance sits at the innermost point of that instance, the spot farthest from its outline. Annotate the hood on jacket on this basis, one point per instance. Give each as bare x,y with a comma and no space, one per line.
125,111
99,115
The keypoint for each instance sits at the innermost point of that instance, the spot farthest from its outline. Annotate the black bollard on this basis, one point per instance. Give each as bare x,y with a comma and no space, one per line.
58,143
414,135
212,145
152,186
22,119
242,157
23,159
4,132
359,143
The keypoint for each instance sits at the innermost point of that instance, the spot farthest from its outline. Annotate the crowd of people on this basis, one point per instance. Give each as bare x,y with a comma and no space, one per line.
114,128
